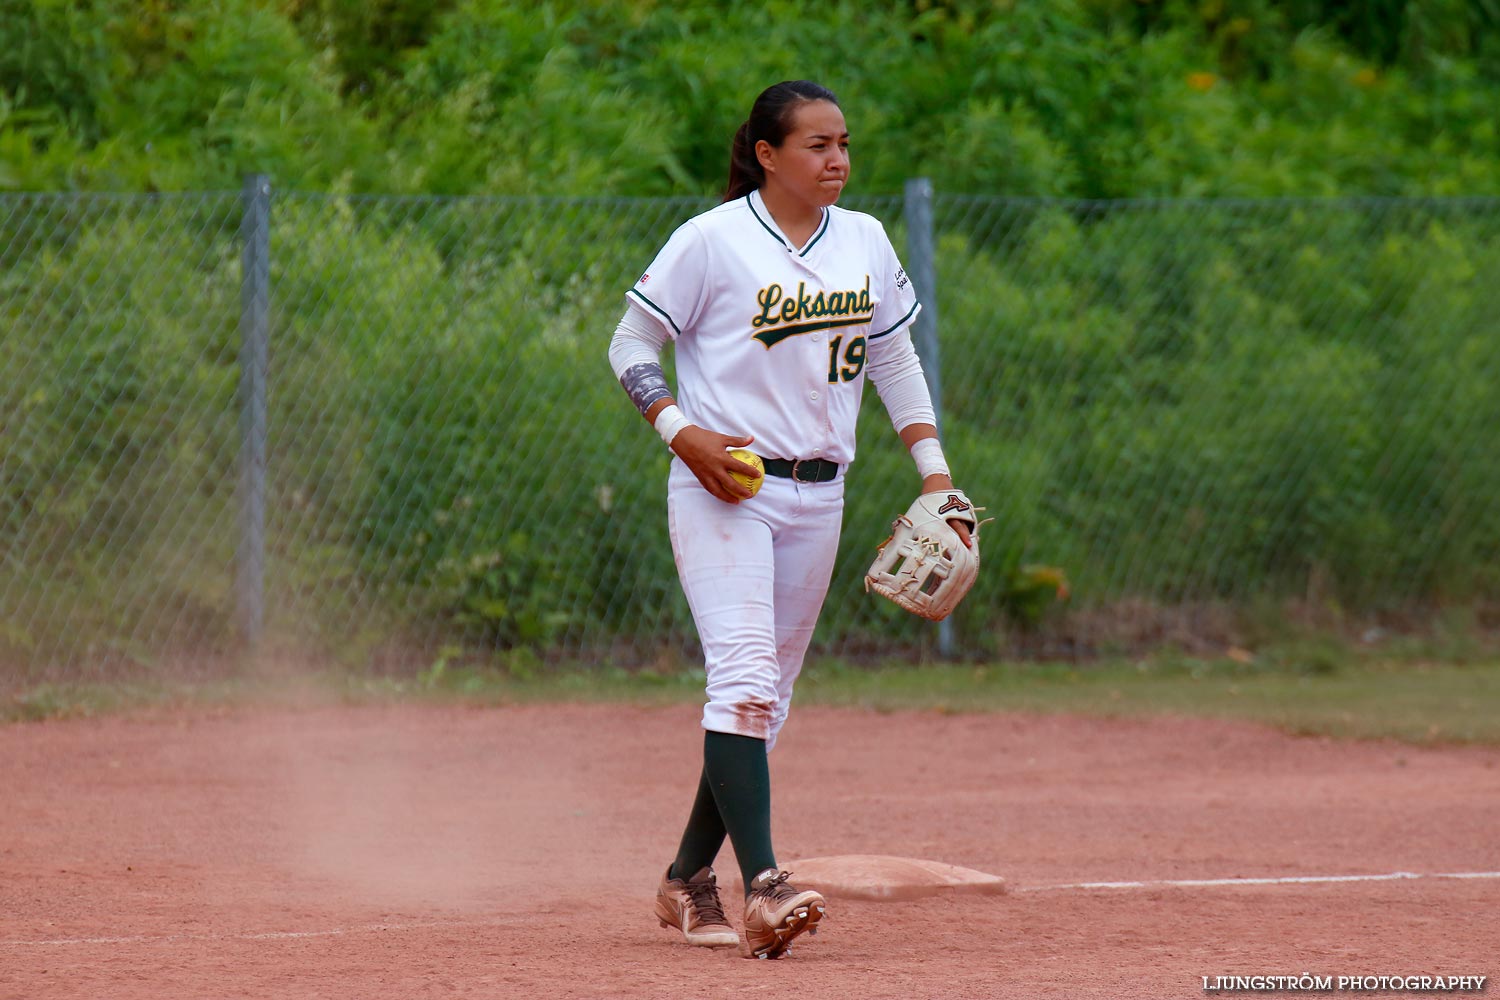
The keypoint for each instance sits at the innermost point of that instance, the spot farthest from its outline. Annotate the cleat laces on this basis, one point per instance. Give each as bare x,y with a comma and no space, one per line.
776,889
705,897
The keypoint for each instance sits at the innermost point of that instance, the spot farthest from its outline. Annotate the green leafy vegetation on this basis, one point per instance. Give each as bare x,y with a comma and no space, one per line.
1175,379
1076,98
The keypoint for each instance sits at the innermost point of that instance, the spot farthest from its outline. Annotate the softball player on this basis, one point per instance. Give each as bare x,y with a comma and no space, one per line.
779,305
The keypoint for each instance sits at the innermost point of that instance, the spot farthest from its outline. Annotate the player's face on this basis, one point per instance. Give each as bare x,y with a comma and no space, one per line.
812,162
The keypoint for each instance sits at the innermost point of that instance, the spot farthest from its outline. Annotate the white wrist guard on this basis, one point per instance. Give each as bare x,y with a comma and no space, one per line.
668,422
928,453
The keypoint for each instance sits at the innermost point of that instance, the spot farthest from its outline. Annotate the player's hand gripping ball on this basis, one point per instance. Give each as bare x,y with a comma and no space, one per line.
749,458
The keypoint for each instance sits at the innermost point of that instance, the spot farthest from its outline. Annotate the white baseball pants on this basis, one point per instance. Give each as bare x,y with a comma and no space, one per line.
755,575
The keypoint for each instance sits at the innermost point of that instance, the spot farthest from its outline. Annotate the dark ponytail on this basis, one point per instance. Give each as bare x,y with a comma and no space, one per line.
770,119
745,171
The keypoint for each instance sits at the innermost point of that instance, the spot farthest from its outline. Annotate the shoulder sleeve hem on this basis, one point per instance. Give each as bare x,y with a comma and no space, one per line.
911,314
655,310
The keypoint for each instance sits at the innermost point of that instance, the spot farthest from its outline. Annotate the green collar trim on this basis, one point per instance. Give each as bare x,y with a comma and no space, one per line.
827,216
751,202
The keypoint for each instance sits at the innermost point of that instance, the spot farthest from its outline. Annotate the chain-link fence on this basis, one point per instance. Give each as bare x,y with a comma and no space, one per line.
378,427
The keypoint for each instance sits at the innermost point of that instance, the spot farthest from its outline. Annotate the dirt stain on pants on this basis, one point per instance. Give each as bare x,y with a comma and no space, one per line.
753,718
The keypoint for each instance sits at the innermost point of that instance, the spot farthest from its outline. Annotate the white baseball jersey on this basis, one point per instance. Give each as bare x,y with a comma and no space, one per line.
773,340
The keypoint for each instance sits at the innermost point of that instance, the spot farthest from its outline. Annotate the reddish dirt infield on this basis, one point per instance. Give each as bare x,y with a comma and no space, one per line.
416,851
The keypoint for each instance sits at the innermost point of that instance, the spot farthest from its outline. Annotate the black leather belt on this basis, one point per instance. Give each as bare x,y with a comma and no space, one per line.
804,470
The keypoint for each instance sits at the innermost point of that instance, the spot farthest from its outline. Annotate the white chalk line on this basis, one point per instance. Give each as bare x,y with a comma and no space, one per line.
1199,883
1191,883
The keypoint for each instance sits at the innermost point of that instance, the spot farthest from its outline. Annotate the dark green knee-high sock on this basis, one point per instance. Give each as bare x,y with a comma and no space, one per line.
740,778
704,834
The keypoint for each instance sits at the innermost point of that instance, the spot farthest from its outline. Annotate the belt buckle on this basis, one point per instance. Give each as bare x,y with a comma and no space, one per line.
796,475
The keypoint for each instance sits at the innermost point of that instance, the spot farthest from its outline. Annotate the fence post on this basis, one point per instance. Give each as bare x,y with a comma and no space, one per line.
921,262
255,280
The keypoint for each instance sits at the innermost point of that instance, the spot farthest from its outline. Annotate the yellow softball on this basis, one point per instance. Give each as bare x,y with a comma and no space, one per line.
749,458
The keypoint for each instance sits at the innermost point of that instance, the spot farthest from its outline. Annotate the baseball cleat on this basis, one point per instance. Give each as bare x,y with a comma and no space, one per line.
776,913
693,907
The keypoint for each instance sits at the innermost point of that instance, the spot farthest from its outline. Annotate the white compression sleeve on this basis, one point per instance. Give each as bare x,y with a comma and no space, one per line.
638,340
897,373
